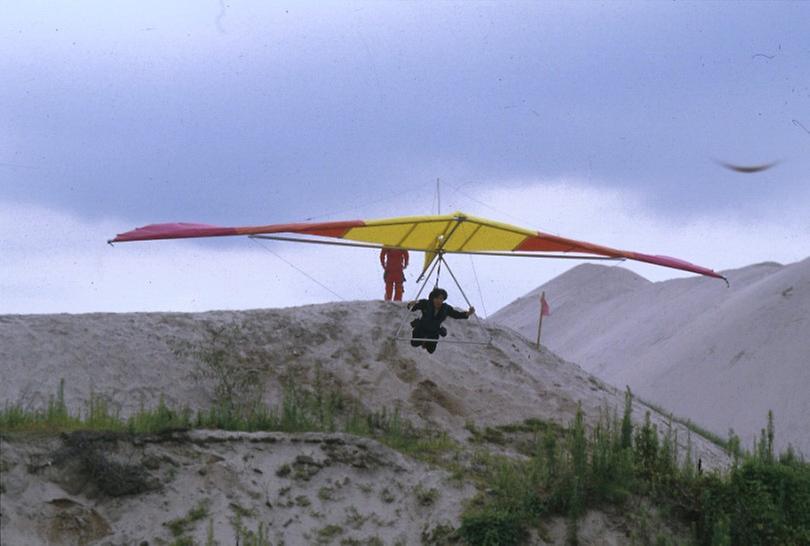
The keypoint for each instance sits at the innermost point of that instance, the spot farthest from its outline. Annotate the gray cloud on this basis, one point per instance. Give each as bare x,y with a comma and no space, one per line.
155,112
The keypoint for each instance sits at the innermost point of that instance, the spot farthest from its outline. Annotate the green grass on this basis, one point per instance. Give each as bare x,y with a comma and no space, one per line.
248,537
726,444
328,533
298,411
237,407
326,493
95,415
180,526
762,499
426,497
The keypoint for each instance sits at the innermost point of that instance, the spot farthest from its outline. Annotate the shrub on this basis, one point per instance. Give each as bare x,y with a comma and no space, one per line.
492,528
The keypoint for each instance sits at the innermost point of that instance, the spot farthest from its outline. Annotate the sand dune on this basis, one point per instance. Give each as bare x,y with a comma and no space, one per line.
720,356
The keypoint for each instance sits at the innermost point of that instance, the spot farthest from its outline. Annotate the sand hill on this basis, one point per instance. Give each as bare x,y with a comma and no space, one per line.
720,356
134,359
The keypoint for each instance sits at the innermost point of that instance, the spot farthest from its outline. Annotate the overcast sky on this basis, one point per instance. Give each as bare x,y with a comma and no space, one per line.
598,121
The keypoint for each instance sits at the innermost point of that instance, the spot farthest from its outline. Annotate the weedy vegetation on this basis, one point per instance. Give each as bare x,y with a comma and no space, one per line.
761,499
180,526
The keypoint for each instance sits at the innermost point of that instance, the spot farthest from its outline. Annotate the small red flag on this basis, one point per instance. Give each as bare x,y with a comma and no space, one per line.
545,310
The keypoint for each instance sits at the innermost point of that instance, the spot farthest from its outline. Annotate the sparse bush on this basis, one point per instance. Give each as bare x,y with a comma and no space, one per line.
326,493
55,417
440,535
492,527
219,359
246,537
354,519
180,526
426,497
387,496
159,419
209,537
764,500
111,477
326,534
761,502
241,511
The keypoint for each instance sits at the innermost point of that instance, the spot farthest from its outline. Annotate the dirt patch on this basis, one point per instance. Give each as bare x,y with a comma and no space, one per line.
427,393
68,522
88,460
405,369
388,350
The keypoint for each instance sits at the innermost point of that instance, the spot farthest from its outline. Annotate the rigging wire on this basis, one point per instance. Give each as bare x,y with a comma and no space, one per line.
438,197
479,320
480,294
419,293
307,275
457,189
358,206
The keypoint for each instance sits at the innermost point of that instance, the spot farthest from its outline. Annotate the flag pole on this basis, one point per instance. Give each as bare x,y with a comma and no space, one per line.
540,322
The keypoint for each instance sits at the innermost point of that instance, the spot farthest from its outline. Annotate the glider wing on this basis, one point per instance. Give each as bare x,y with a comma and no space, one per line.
451,233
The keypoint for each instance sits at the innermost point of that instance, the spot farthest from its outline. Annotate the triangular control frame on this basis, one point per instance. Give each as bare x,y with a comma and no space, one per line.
436,266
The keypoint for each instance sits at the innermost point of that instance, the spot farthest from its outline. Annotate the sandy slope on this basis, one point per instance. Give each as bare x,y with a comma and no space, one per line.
304,489
133,359
722,357
307,488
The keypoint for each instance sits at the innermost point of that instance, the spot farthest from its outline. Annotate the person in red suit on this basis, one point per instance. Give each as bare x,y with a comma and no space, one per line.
393,261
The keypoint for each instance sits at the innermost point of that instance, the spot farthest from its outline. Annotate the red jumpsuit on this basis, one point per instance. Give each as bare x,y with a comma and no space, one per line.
393,261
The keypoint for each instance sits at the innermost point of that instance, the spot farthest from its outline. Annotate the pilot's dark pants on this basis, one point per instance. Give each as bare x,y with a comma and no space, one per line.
430,346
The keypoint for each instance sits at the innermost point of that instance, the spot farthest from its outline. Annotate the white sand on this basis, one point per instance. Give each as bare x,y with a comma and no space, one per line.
131,360
350,488
722,357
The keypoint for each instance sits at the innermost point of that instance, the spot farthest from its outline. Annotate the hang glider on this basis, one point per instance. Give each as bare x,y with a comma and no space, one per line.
455,233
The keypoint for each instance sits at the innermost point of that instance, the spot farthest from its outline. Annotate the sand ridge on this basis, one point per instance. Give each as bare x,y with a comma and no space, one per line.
720,356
